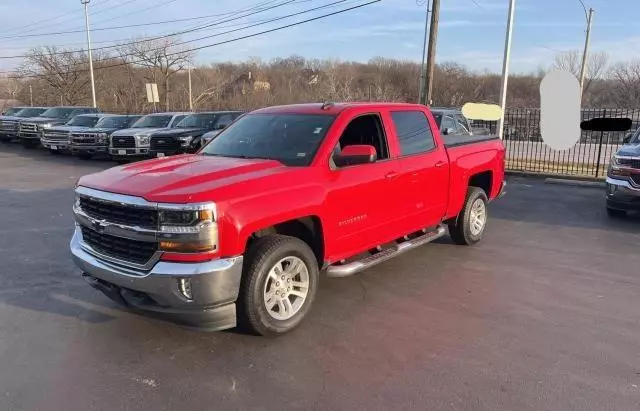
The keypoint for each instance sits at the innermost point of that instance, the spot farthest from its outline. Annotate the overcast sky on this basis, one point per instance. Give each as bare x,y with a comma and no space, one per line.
471,32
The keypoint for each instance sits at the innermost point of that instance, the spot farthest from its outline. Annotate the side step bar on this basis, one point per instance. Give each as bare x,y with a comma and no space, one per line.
345,270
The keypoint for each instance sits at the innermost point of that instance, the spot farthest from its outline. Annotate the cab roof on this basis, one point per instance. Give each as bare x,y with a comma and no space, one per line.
331,108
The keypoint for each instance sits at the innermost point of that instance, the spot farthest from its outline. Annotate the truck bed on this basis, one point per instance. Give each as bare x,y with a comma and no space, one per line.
454,141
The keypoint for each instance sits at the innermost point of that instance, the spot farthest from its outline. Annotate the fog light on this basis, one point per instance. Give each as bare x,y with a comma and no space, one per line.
184,285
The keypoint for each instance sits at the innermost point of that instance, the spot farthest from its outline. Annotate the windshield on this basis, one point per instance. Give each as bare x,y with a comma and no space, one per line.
292,139
636,137
12,111
82,121
113,122
58,112
153,121
30,112
205,120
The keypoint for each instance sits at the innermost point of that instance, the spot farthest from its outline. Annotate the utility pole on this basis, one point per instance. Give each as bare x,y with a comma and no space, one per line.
190,95
586,48
505,67
86,24
31,94
421,99
431,53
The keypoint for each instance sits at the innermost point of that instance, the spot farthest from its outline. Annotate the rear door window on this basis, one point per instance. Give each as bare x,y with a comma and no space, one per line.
413,131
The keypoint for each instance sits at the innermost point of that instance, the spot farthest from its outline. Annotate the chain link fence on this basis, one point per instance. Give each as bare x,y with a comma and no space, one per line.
588,158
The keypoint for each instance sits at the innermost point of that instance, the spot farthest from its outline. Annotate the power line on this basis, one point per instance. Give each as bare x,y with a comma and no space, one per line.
49,22
173,34
153,23
212,44
247,26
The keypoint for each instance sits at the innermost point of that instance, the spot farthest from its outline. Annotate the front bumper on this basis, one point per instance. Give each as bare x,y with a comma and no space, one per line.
622,195
89,148
214,286
129,152
55,144
29,135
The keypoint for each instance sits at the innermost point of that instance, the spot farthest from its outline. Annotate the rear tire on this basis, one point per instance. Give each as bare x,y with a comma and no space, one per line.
273,265
468,228
615,213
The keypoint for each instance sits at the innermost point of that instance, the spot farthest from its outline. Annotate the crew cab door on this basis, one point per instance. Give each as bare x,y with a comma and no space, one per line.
362,200
424,169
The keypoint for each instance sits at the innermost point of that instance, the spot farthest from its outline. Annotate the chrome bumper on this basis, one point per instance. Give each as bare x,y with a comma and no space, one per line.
131,152
622,195
89,148
61,145
214,287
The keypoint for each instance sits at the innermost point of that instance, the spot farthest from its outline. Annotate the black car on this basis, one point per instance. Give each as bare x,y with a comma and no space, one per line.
623,178
10,121
451,121
95,141
30,129
186,137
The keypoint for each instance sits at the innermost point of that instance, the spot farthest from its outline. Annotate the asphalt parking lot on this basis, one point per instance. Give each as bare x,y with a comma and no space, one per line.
543,314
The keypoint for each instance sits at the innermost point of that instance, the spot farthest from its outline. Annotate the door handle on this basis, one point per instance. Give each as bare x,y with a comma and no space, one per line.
391,174
440,164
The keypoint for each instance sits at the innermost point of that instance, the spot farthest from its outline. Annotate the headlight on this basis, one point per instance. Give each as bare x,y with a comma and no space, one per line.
617,169
102,137
191,230
185,140
143,139
46,125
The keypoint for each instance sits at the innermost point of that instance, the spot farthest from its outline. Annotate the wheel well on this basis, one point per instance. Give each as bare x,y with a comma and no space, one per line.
482,180
307,229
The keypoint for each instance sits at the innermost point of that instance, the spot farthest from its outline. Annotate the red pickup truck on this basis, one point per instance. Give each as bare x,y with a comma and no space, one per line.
238,233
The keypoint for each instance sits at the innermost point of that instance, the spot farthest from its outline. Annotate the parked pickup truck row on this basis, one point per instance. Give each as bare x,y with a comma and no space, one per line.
86,132
238,233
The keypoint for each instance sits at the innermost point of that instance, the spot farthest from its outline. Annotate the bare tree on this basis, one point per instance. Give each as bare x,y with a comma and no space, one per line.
571,61
66,71
162,59
626,89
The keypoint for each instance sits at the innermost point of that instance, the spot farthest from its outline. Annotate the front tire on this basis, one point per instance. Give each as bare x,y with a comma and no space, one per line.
84,156
5,139
279,283
615,213
29,144
468,228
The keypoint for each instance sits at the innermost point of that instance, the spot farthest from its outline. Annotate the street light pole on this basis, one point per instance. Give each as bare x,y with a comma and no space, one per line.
583,66
85,3
190,95
505,67
421,99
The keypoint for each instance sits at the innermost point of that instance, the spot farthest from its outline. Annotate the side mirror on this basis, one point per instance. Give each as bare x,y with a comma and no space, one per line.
448,131
356,154
627,138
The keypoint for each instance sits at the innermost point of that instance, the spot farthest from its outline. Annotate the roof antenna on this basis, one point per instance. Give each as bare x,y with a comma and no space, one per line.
326,105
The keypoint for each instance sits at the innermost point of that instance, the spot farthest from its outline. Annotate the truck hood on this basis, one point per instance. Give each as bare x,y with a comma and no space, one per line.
107,130
137,131
180,179
66,128
43,120
10,118
631,150
179,132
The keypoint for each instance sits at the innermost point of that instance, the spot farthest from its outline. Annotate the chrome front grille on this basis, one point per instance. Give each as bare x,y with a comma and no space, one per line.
28,127
84,138
8,125
61,136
